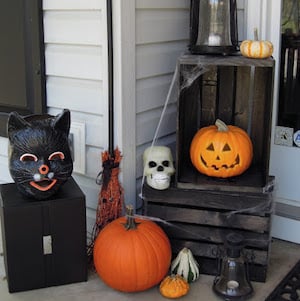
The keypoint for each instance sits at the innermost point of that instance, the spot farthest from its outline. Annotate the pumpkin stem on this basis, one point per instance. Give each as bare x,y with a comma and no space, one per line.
255,34
222,127
130,222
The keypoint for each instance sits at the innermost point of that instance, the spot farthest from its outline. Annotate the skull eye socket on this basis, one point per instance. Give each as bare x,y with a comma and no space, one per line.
211,147
226,148
28,158
165,163
152,164
56,156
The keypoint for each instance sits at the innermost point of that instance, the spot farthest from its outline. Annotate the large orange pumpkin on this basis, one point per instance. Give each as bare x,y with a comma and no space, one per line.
221,151
132,255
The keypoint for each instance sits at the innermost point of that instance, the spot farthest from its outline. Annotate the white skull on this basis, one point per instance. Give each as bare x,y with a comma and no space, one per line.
158,166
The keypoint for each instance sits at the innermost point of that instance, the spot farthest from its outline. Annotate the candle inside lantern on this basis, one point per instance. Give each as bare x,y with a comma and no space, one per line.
214,40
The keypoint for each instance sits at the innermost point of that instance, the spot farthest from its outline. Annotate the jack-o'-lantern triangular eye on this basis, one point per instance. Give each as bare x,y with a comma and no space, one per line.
210,147
226,148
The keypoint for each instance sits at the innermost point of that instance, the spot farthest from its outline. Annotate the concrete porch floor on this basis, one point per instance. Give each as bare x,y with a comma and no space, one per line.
283,257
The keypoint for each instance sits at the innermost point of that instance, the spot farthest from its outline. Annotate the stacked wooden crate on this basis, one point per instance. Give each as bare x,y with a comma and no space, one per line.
199,211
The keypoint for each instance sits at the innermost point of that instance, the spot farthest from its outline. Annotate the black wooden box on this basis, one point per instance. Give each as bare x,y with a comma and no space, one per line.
237,90
44,242
200,220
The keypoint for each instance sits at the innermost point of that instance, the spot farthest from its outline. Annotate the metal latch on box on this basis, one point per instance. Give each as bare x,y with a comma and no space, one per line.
47,244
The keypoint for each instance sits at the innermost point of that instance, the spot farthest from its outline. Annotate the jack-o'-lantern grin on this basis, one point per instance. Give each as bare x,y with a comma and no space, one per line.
224,166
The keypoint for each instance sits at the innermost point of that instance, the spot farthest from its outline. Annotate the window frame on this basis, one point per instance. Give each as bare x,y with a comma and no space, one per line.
34,58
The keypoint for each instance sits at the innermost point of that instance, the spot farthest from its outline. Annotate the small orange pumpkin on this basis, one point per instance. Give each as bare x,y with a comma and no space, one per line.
174,286
258,49
221,151
132,255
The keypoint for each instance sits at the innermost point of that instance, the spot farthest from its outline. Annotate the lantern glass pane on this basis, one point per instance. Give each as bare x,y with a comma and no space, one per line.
214,23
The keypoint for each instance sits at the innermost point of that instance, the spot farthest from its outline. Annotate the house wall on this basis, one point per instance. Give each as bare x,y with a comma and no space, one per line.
148,38
75,35
162,35
162,30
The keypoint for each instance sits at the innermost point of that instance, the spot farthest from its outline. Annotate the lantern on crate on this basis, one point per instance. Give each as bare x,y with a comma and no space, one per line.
213,27
233,282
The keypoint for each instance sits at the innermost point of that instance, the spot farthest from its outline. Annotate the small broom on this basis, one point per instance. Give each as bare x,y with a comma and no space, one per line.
111,196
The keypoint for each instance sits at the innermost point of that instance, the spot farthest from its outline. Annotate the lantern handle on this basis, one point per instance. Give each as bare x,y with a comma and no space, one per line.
110,79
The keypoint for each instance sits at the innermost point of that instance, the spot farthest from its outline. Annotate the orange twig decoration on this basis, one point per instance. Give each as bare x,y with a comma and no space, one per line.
111,196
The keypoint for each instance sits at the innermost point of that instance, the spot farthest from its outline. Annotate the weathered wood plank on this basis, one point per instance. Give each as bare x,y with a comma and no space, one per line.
232,60
208,98
210,266
226,94
214,234
201,249
211,218
257,204
242,96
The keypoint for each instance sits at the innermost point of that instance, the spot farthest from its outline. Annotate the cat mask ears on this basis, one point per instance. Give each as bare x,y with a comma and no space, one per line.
15,122
60,122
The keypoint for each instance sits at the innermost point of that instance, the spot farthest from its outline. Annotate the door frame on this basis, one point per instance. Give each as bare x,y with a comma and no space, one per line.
125,92
264,14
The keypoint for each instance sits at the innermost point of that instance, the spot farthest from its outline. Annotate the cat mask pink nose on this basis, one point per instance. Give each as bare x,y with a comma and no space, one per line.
44,169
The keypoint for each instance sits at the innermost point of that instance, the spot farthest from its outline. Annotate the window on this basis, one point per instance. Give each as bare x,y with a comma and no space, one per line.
22,72
289,93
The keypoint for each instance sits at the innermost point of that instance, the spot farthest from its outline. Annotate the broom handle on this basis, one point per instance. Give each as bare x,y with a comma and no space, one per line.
110,79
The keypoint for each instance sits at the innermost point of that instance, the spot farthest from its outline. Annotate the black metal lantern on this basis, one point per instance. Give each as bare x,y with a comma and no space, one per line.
233,282
213,27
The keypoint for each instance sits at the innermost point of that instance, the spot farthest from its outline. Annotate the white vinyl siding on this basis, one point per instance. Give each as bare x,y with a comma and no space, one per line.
4,172
75,35
162,32
162,35
151,36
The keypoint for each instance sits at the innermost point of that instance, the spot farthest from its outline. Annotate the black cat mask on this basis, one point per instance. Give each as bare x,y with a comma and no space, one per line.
39,155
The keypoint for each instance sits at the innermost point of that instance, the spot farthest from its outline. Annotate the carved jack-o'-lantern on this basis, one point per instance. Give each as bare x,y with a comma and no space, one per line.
221,151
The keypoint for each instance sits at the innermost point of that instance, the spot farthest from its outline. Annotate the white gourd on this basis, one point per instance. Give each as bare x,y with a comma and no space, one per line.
185,265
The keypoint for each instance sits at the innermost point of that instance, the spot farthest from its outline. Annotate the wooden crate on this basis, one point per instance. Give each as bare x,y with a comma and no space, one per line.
236,90
200,220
